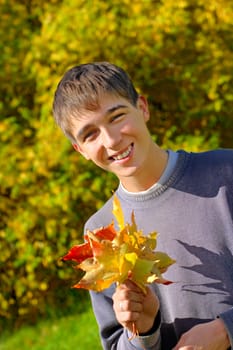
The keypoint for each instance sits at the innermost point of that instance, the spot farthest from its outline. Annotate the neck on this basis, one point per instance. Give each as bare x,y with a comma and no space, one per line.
149,173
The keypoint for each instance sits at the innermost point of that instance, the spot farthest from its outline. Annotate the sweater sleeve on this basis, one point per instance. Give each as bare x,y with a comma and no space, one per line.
227,318
113,335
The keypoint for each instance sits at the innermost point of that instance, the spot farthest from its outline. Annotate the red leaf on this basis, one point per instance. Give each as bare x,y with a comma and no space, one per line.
108,232
79,253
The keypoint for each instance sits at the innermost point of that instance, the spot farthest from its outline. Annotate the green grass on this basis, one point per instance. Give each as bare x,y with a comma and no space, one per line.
78,331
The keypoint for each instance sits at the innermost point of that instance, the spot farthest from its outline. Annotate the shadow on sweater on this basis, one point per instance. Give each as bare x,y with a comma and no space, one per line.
223,261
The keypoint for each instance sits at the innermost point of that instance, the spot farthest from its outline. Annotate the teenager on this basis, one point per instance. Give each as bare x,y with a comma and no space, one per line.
186,197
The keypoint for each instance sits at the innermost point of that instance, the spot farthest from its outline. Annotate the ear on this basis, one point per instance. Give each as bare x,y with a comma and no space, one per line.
142,104
80,150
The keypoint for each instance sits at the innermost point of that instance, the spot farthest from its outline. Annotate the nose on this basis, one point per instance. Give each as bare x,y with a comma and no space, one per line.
110,138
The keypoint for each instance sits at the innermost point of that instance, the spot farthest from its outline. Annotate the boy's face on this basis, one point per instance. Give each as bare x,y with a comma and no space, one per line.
115,137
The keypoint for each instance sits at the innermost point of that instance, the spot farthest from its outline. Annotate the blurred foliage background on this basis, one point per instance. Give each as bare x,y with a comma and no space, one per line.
178,53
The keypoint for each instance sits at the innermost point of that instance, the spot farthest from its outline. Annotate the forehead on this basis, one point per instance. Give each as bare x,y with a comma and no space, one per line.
106,100
106,104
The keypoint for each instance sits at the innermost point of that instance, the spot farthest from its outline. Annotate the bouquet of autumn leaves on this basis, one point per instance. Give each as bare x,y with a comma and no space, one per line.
111,256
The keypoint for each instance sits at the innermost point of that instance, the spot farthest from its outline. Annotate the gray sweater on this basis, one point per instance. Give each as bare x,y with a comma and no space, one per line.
193,214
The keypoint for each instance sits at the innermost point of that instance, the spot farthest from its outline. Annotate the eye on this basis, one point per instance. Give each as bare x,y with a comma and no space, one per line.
117,116
89,135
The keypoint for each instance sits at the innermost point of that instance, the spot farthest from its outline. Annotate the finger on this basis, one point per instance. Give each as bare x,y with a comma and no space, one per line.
128,317
129,306
127,295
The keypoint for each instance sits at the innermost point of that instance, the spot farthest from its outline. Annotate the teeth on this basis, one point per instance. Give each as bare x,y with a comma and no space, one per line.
124,154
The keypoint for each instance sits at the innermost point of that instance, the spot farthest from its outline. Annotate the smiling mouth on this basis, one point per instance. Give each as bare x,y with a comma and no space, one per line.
123,155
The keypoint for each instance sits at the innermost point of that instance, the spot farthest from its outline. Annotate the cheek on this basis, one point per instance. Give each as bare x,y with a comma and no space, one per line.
128,128
133,130
134,124
93,152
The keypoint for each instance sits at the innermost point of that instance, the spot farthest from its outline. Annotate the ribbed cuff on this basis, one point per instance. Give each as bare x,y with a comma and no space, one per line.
150,339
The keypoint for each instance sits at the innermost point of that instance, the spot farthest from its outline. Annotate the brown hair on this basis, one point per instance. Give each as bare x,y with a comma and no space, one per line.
81,87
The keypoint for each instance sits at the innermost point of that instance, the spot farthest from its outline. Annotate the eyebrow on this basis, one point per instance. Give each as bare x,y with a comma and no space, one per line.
108,112
114,108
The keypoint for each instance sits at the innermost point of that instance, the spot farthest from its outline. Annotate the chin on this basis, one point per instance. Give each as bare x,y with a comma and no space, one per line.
127,174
